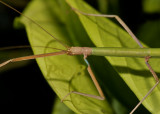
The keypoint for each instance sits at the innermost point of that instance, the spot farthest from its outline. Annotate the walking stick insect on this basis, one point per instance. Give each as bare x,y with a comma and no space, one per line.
122,52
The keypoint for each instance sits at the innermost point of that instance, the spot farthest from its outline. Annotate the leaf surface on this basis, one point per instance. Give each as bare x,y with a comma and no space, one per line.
68,73
133,71
63,73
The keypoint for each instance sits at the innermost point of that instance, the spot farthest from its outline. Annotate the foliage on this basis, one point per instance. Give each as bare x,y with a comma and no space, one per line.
67,73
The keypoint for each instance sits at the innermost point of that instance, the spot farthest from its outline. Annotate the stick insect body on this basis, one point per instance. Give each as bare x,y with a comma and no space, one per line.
87,51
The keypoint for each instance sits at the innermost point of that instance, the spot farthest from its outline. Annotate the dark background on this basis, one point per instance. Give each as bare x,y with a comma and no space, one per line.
22,86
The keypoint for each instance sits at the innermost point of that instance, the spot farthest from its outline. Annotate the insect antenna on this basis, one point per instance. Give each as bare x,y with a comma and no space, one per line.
35,24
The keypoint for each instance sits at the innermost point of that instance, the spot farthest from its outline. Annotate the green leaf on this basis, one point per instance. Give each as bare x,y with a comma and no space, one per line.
133,71
149,32
103,5
63,73
68,73
151,6
60,108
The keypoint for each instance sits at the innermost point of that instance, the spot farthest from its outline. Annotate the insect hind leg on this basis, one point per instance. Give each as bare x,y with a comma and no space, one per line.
156,79
122,23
